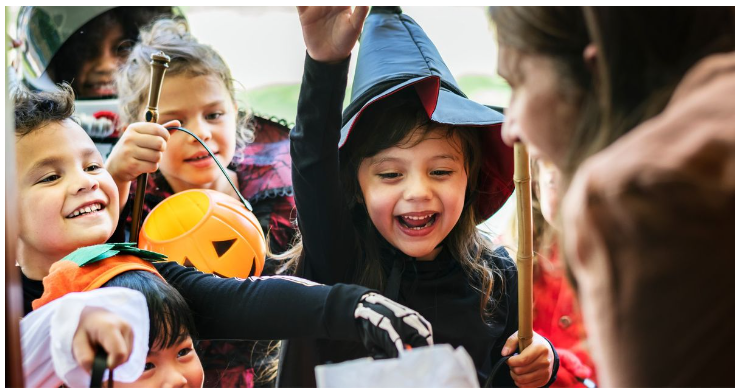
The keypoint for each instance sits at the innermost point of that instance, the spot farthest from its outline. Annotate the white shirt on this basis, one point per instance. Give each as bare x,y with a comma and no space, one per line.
47,333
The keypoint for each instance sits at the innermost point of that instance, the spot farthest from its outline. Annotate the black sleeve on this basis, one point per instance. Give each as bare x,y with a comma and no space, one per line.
277,307
322,217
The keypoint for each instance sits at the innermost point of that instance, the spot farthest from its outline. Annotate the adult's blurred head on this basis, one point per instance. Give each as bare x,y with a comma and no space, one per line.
582,77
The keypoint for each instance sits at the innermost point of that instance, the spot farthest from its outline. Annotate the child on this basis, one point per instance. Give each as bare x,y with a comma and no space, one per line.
169,360
396,206
114,319
83,46
198,93
68,200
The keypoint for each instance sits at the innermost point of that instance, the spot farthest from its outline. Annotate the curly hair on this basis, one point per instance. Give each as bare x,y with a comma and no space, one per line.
33,110
187,56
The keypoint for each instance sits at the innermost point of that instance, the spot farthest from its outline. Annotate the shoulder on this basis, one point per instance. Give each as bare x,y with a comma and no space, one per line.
270,129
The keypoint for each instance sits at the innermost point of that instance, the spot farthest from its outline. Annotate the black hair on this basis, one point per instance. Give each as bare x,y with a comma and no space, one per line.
170,319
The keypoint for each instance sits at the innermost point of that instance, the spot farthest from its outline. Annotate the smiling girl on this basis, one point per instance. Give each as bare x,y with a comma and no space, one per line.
198,94
395,207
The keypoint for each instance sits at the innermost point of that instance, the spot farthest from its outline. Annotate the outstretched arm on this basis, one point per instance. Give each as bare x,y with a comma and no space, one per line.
284,307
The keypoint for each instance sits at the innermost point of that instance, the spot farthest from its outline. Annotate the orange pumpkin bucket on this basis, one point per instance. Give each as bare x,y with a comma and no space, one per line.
208,230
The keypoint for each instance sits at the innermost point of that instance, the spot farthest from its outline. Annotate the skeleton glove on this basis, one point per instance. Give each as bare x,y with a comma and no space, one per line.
386,326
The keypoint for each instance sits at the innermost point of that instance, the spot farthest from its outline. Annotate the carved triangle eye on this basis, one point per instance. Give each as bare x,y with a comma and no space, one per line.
254,267
187,263
222,246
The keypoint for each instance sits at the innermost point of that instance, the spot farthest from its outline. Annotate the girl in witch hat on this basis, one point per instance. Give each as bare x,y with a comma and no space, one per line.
389,194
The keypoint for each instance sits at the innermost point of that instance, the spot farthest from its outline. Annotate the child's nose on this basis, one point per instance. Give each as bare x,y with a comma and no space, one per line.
200,129
84,182
417,189
108,61
174,379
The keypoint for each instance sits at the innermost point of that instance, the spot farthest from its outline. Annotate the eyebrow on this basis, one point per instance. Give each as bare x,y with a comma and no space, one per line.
175,112
375,162
56,160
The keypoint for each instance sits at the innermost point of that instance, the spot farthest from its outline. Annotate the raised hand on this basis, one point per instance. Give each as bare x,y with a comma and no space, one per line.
386,327
138,151
330,33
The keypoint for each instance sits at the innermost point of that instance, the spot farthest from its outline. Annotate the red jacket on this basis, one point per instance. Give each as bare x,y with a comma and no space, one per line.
558,318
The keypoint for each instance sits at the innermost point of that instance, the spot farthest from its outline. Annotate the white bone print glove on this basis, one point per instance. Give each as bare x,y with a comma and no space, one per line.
386,326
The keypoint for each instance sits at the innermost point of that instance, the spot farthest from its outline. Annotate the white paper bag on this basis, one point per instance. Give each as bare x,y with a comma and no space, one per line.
432,366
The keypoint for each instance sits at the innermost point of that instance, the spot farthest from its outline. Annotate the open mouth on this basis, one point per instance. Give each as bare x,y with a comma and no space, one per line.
417,223
86,210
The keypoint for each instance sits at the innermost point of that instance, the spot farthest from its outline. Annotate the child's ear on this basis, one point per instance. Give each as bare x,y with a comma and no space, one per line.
360,199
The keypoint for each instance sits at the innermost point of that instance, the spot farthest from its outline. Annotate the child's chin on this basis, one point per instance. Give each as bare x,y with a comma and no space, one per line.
417,251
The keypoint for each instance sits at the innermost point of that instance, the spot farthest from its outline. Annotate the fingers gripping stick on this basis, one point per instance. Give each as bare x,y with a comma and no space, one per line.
386,325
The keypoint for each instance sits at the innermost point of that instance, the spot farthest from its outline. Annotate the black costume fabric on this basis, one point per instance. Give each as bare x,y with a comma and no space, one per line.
438,289
275,307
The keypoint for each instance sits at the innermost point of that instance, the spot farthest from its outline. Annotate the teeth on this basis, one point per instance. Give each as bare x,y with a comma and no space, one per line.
418,217
86,209
427,225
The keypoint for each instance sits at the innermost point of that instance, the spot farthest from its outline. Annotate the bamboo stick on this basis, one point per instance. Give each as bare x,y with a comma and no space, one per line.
159,62
525,252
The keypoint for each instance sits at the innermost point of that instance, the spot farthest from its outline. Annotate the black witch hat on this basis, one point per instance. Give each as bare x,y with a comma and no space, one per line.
396,54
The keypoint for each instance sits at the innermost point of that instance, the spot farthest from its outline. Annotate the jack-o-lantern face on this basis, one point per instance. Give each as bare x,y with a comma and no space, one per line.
208,230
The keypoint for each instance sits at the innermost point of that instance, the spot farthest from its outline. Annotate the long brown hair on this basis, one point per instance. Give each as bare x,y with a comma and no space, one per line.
393,122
